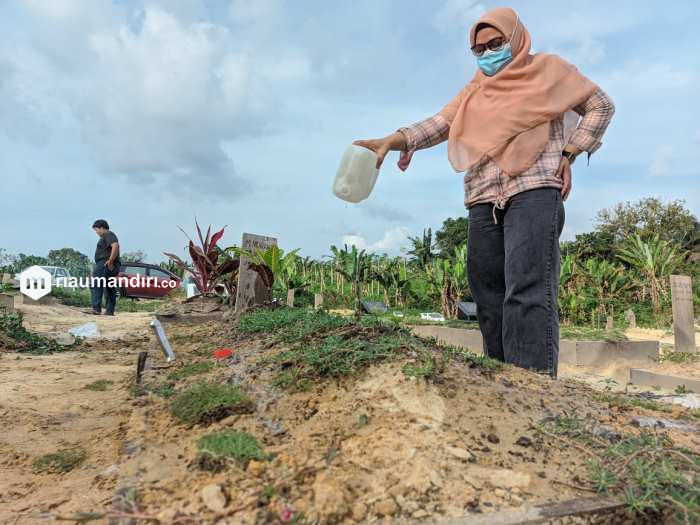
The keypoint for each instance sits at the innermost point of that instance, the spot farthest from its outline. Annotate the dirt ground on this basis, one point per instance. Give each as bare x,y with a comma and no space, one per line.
54,319
379,447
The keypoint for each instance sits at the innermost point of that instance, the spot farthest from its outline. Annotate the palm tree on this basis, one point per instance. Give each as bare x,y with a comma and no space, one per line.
655,260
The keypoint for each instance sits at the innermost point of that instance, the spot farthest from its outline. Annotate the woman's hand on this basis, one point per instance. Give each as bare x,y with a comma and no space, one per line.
394,142
564,173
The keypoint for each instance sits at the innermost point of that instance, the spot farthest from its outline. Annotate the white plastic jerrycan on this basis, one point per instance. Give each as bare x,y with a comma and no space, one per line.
356,175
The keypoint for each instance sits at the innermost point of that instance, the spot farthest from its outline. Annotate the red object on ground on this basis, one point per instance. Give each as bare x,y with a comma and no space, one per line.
223,353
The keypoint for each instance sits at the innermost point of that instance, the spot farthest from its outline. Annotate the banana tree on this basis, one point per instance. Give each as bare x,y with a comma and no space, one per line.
390,274
355,266
655,260
607,281
271,264
570,287
449,277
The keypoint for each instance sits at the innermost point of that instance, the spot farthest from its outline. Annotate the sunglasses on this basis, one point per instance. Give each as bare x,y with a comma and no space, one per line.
492,45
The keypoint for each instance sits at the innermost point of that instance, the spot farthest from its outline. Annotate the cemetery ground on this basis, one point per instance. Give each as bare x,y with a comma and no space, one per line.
318,418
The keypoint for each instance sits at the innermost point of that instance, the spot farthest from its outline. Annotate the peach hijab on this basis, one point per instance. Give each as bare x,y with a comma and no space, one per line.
505,118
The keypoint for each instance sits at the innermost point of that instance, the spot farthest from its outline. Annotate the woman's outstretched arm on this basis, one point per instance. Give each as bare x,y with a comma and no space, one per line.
424,134
394,142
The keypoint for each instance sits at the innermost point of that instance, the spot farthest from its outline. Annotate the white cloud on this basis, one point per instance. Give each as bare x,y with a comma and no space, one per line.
246,12
391,243
457,14
62,10
661,165
155,96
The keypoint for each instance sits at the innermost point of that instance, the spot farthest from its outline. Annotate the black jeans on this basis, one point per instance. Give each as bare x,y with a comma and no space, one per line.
514,277
98,289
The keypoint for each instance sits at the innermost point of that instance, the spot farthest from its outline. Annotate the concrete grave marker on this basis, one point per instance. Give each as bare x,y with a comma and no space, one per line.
251,289
318,301
631,318
609,323
682,298
7,301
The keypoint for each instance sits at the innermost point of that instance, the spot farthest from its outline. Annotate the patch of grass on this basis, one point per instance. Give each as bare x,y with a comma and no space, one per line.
61,461
191,369
679,357
656,479
335,356
290,324
585,333
322,345
101,385
217,448
625,402
269,320
15,337
458,323
207,402
164,390
423,368
463,355
682,389
182,338
431,361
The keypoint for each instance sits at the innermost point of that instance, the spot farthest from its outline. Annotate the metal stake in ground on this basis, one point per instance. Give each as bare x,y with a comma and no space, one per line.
163,340
140,365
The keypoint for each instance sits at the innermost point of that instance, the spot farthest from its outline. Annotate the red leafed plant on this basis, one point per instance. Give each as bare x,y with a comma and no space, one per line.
206,268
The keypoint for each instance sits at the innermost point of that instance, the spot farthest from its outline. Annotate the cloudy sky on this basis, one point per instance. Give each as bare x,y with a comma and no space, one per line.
152,113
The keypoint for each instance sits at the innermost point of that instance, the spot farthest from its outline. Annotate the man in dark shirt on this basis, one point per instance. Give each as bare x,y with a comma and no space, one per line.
106,265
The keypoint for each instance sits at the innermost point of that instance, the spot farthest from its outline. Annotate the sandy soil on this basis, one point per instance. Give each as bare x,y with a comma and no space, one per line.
665,337
54,319
44,406
377,447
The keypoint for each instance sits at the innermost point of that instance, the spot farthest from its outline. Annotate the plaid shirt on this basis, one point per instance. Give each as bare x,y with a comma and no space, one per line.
486,182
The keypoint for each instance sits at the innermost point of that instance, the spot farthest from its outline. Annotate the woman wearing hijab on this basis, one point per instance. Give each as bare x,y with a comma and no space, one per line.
513,131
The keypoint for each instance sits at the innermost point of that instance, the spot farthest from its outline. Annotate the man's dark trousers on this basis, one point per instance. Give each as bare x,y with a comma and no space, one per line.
514,277
99,289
